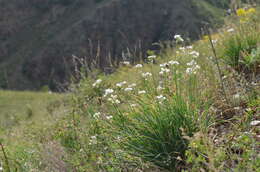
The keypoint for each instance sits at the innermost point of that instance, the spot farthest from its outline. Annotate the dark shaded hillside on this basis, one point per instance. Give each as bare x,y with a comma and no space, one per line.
38,37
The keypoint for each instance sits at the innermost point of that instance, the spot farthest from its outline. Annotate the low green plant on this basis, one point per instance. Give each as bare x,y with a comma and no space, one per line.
241,49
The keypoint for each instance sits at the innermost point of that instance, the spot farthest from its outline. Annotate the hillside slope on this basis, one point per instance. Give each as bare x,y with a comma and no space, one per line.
37,40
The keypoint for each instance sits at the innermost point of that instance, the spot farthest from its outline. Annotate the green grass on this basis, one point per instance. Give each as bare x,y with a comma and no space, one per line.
17,106
26,121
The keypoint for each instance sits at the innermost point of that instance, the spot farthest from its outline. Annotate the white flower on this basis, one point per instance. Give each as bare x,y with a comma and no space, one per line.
255,123
1,168
189,70
108,91
164,70
159,88
126,62
214,41
113,96
129,89
192,63
197,67
133,105
182,48
93,140
120,84
231,30
151,57
117,101
142,92
178,38
138,66
160,98
132,85
97,82
163,65
189,47
172,62
113,99
146,74
97,115
109,117
237,96
194,54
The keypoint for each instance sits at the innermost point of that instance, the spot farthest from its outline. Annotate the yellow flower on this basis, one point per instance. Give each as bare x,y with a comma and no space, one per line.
251,11
241,12
205,38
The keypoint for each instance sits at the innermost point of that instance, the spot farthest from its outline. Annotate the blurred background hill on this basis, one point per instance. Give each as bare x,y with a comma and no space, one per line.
39,37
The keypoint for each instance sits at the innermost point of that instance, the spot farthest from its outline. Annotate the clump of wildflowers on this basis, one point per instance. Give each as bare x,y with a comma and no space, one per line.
245,14
193,67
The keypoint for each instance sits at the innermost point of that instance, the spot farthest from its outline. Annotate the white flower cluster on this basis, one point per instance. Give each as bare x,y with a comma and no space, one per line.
120,84
142,92
163,64
182,49
138,66
164,71
132,85
172,62
255,123
108,91
113,99
159,88
93,140
109,117
193,67
129,89
151,57
133,105
189,47
96,83
231,30
195,54
146,74
97,115
192,63
160,98
126,63
178,38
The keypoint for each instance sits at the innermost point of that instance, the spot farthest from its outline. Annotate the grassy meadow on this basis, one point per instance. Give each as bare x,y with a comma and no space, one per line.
189,107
